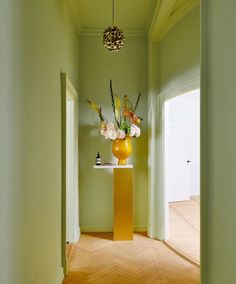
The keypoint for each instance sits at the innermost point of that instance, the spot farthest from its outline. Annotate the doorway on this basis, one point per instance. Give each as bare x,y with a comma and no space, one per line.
182,173
70,190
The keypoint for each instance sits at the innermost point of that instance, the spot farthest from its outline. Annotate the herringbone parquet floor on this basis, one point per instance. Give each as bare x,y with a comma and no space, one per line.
97,259
184,222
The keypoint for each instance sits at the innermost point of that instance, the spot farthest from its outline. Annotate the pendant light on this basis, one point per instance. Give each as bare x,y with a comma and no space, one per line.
113,37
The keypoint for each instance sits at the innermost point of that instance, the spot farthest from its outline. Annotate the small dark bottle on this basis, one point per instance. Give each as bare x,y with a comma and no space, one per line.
98,160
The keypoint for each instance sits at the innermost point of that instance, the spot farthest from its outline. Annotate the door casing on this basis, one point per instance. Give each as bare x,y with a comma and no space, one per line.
68,92
157,204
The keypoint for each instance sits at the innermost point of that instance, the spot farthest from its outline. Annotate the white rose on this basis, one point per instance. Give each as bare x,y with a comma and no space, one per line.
137,131
105,133
110,126
113,134
132,130
107,136
121,134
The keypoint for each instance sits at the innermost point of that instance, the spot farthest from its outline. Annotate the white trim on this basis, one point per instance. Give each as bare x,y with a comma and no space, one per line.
77,234
68,93
158,213
70,90
152,206
60,276
113,167
72,226
162,201
162,213
156,227
182,84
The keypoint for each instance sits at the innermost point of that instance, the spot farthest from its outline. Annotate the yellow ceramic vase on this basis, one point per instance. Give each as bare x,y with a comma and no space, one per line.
122,149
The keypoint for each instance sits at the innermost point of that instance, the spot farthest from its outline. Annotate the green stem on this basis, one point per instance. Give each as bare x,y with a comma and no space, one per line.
137,102
113,104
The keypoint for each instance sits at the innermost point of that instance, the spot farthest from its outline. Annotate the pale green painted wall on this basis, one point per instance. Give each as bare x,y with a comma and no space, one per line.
221,155
128,69
38,40
180,51
173,68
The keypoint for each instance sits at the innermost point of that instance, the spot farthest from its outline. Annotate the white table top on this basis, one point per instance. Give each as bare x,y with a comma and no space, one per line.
113,166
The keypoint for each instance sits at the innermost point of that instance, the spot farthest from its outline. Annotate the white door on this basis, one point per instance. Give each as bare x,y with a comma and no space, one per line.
182,128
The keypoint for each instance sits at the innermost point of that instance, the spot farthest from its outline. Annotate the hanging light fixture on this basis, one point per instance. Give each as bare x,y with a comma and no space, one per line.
113,37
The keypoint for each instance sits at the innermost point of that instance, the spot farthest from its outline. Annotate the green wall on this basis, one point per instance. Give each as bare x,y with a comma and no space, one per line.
38,40
173,68
128,70
180,51
219,69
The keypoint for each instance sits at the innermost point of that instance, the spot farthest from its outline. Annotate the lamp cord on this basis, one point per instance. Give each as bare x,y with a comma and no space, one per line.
113,12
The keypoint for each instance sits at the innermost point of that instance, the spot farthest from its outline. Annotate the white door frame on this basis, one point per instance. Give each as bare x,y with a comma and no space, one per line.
72,214
158,201
68,93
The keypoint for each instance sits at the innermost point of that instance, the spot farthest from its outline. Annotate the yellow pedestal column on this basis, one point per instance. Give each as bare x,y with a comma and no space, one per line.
123,204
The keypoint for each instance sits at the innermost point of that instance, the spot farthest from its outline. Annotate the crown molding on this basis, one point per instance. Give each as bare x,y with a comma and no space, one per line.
87,31
153,12
162,16
165,16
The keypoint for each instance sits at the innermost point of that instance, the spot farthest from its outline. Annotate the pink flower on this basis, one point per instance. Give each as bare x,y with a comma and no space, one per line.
113,135
121,134
105,133
134,131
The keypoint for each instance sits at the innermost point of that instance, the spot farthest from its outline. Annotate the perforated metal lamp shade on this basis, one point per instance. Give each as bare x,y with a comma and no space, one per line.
113,38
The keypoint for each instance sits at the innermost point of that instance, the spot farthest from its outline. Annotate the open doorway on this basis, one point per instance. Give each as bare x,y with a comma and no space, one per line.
182,173
70,198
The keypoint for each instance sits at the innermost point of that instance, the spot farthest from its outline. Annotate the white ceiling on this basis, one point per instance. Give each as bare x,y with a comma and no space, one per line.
129,14
153,17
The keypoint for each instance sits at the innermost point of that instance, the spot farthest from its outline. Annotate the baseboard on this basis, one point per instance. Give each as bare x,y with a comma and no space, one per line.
60,276
108,229
140,229
94,229
77,234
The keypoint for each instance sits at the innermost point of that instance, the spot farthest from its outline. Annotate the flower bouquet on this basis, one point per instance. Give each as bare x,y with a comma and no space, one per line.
126,120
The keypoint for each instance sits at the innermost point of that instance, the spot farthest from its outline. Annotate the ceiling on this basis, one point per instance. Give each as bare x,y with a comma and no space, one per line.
152,17
129,14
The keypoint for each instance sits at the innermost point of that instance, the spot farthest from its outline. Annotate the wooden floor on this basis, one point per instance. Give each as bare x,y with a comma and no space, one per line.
184,221
97,259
